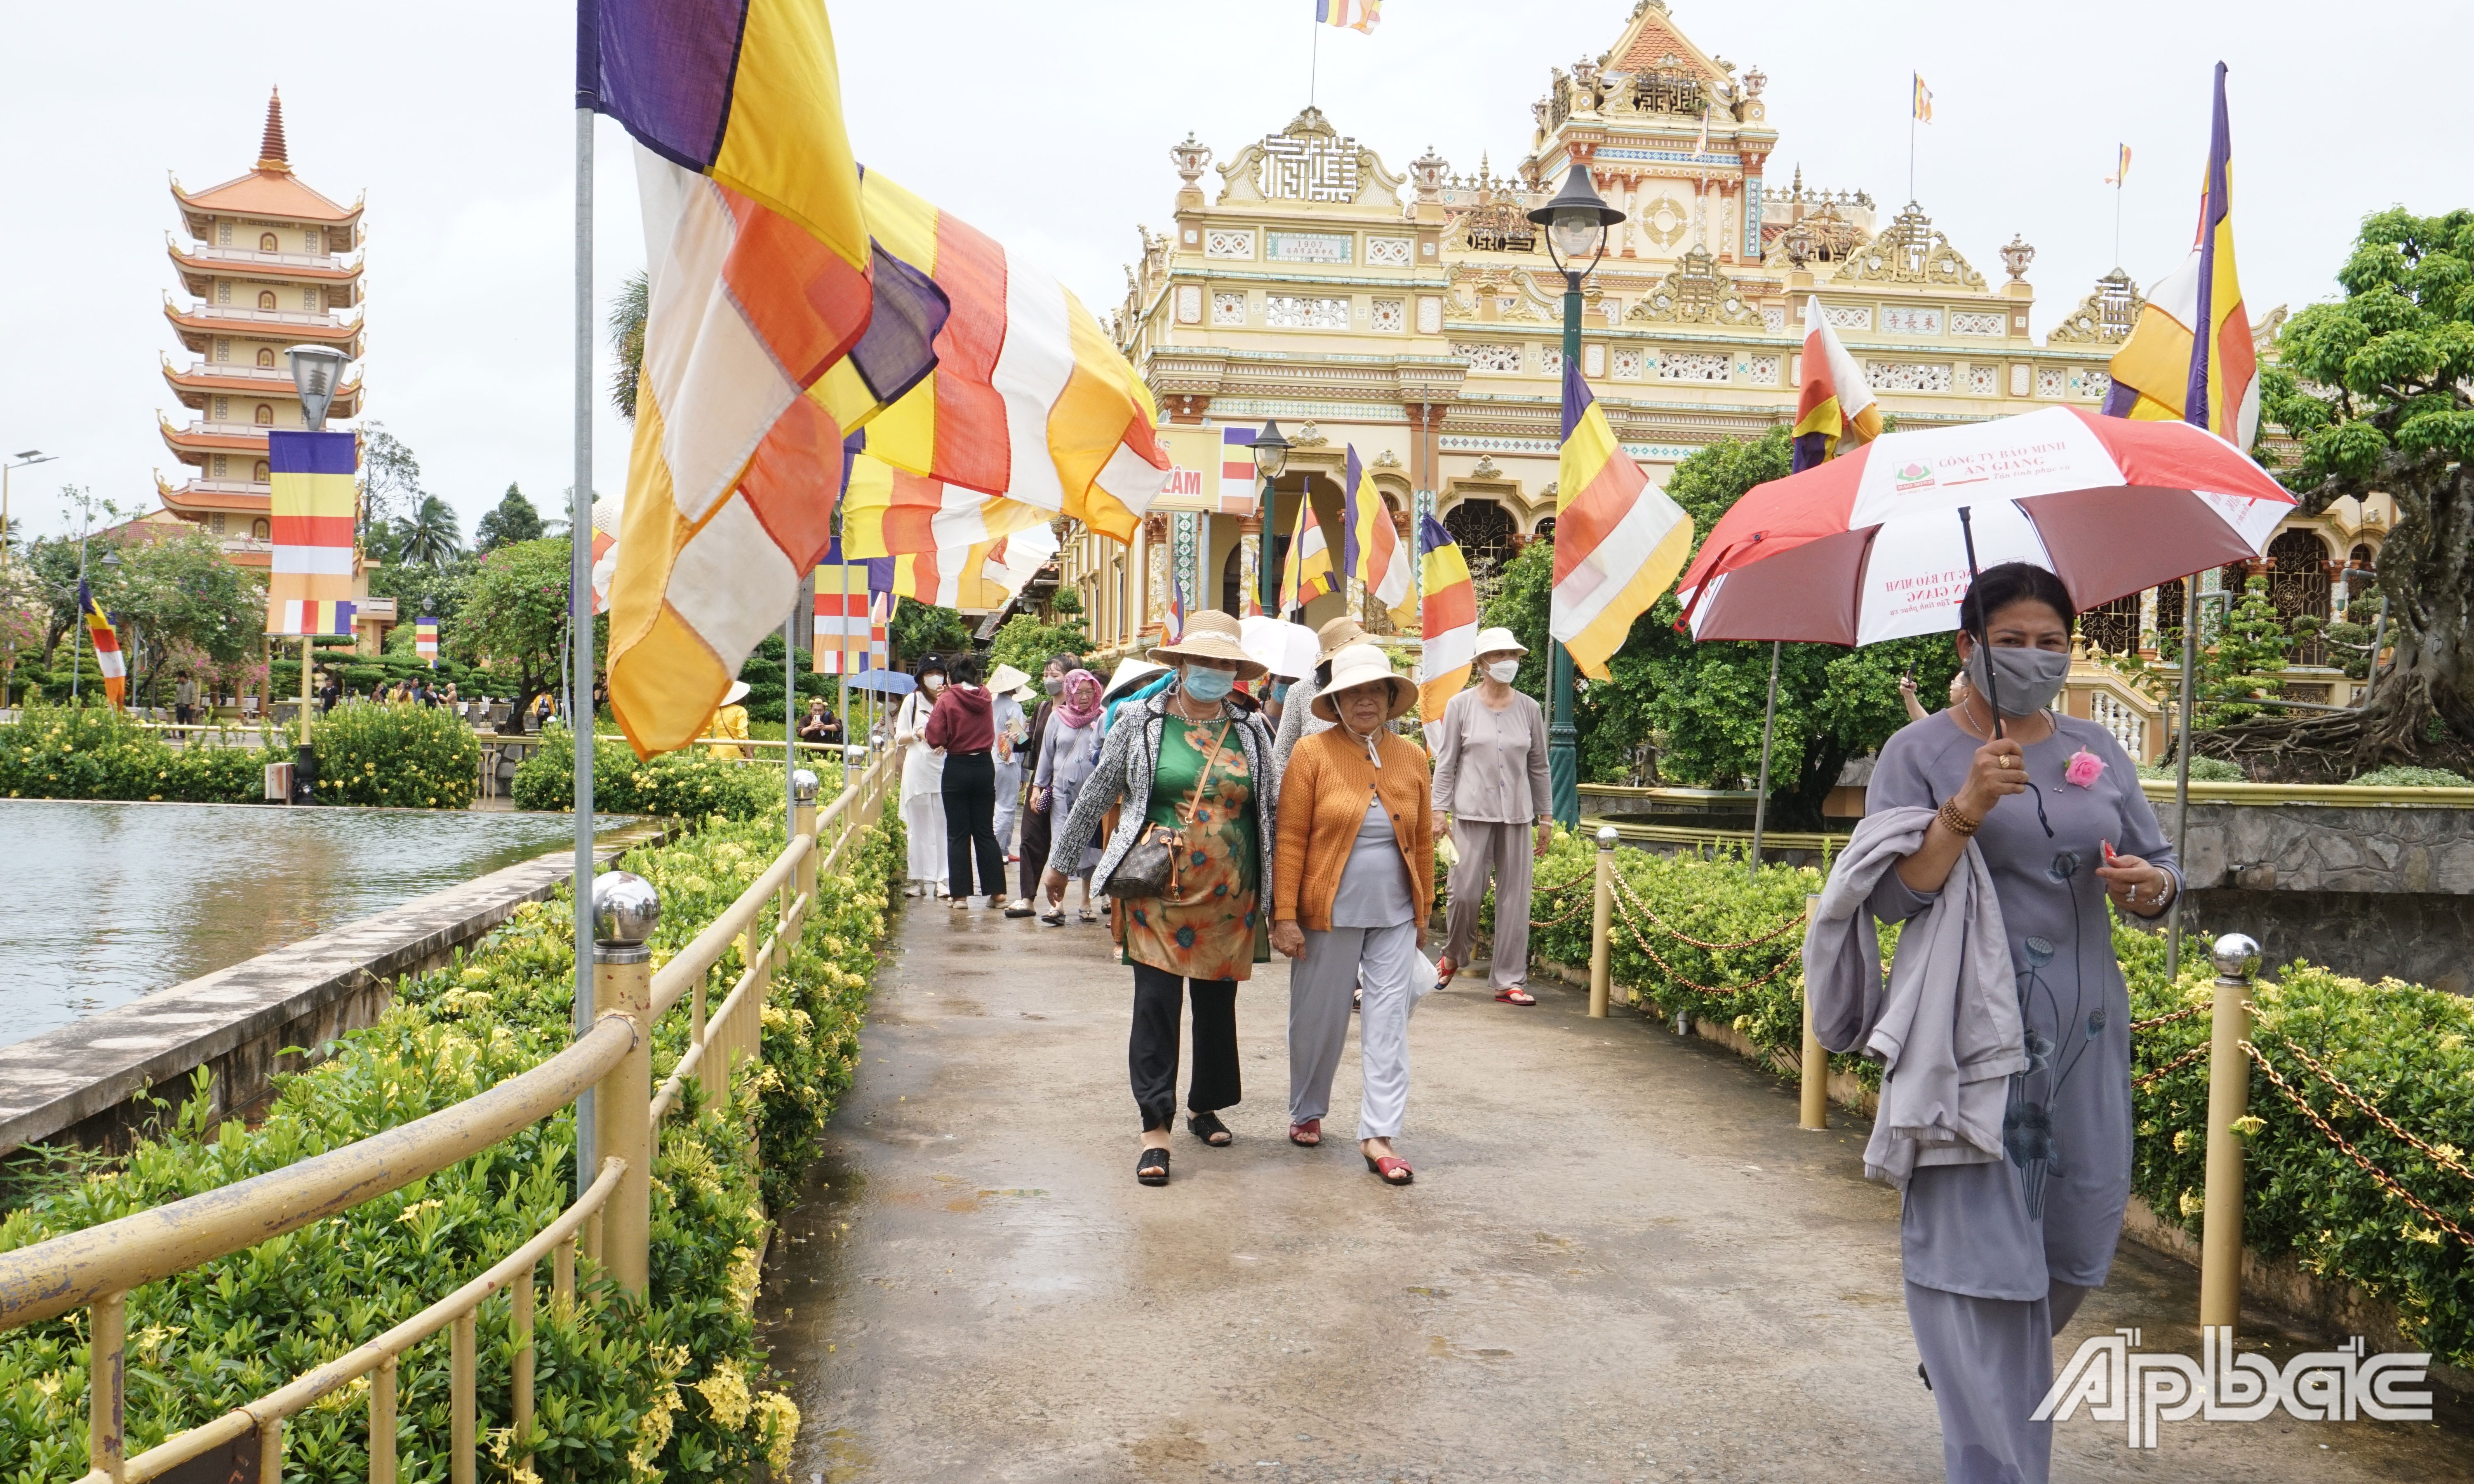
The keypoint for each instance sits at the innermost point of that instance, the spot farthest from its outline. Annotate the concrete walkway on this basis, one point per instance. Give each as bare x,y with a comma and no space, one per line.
1621,1261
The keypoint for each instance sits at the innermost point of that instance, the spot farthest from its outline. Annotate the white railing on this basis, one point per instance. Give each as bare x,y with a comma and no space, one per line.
274,374
248,314
2122,720
244,257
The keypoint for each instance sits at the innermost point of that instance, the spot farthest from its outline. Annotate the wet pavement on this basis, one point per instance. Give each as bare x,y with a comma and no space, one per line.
1621,1261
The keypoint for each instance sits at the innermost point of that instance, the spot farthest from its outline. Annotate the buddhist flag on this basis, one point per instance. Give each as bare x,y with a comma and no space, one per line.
1173,624
977,578
312,502
1924,99
605,549
1359,15
890,511
1448,624
1028,399
760,280
1619,540
2121,170
107,645
846,593
2190,357
1370,546
1837,406
425,639
1306,572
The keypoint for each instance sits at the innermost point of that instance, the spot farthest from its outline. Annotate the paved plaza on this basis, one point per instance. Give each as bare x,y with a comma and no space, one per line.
1621,1261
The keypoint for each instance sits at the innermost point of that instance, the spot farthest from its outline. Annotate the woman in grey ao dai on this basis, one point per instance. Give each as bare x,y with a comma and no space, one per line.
1998,1256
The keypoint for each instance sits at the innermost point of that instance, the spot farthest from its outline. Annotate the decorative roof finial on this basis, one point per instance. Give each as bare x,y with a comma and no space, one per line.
271,153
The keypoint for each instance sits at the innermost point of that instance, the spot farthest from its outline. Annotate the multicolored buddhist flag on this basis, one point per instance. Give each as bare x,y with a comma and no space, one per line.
977,578
1305,573
1619,541
845,608
2190,357
1924,99
1447,622
107,645
890,512
1172,623
1237,457
1360,15
1837,406
1371,551
312,503
2121,170
606,517
1028,399
762,279
424,640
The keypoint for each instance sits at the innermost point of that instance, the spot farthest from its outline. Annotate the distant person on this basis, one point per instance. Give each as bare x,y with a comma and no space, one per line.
1491,791
1916,711
1013,736
1067,756
329,693
184,703
1037,820
923,779
820,726
962,724
729,729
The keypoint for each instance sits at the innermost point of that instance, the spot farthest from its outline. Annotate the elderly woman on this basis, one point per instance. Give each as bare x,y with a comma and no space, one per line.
1067,755
1193,770
2018,1064
1491,786
923,782
1354,883
1036,820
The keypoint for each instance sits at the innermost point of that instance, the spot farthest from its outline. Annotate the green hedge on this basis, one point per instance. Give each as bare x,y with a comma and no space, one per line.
671,1387
417,757
688,784
2407,1050
97,753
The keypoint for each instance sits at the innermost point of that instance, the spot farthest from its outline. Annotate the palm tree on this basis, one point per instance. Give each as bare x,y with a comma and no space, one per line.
430,535
627,341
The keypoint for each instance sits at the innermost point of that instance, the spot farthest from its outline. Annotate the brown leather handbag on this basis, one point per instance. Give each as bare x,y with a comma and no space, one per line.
1150,868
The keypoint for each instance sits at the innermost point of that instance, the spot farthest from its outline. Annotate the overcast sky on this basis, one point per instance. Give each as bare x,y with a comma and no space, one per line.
1048,125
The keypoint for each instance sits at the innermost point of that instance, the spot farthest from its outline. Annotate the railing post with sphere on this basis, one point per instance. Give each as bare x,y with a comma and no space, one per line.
803,821
1816,1061
1602,923
625,907
2220,1215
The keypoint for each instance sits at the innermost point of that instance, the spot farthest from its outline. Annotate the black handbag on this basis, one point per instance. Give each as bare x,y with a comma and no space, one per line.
1150,867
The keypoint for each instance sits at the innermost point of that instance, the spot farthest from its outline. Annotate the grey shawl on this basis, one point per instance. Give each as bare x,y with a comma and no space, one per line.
1946,1027
1124,775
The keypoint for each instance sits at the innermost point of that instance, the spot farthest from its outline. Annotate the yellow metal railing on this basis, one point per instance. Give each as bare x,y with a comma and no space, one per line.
96,1268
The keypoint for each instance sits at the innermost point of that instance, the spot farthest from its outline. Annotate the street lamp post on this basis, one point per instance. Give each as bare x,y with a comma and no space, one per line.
8,537
1576,223
1271,457
316,371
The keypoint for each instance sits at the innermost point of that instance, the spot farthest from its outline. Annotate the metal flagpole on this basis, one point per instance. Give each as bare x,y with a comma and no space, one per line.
579,577
2182,767
1761,795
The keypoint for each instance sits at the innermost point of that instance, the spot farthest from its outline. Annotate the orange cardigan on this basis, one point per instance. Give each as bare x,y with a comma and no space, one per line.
1322,804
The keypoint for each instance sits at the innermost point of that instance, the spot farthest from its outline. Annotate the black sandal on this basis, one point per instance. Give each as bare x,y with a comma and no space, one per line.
1207,1127
1150,1167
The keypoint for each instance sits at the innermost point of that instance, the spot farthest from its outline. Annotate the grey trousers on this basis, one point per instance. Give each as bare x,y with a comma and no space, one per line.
1501,851
1321,983
1991,1360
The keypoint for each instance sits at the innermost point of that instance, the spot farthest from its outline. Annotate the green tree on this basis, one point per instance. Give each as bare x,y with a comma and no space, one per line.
2241,661
174,599
627,328
427,591
390,485
429,535
2378,388
1693,711
511,521
1025,643
918,629
513,617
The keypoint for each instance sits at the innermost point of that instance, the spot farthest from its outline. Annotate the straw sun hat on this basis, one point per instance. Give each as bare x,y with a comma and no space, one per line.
1337,635
1006,680
1211,635
737,693
1363,664
1497,641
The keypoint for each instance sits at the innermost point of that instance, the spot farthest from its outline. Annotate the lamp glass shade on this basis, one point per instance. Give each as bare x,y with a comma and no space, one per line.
316,370
1576,234
1270,451
1576,219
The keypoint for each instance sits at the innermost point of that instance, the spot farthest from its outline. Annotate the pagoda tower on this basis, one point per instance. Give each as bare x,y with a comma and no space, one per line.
270,264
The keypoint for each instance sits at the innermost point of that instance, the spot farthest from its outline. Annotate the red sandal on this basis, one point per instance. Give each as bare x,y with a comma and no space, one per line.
1306,1135
1444,971
1394,1169
1516,996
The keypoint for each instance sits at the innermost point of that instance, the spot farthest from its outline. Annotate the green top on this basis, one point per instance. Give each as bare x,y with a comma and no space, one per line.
1224,810
1210,923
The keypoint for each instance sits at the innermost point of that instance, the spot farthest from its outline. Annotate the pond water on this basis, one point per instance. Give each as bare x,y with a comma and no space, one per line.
102,902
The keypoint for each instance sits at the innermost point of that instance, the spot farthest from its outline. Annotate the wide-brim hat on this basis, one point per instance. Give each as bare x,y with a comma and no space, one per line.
1337,635
1132,674
1211,635
1007,680
737,693
1285,649
1498,641
1363,664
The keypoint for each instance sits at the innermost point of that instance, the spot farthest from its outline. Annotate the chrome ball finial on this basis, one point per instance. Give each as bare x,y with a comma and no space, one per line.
2237,956
803,786
1607,837
624,909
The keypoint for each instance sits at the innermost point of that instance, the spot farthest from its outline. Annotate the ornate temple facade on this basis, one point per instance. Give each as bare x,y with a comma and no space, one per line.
1415,314
267,263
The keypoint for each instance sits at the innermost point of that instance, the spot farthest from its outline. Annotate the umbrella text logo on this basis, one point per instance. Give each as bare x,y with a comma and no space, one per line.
2119,1385
1914,474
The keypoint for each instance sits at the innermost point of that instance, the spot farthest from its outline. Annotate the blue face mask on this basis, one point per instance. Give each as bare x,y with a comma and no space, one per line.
1280,690
1209,685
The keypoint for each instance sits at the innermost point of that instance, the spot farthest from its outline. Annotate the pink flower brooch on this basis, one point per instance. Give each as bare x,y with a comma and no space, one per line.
2083,769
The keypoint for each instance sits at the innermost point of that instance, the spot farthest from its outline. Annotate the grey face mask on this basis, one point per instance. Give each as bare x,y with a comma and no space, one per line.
2027,679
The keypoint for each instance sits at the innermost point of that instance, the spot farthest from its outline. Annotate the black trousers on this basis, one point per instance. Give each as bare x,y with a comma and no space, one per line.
1035,840
1151,1053
970,790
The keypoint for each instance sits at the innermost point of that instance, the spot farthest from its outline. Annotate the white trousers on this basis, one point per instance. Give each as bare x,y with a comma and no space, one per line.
1009,805
923,819
1320,982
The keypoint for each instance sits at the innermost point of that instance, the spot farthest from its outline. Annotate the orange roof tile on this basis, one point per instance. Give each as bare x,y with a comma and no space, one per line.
266,193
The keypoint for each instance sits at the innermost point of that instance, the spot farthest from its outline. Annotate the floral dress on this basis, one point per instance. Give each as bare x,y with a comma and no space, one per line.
1208,925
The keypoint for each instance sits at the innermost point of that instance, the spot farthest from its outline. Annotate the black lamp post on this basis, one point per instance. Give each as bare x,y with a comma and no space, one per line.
1270,456
1576,223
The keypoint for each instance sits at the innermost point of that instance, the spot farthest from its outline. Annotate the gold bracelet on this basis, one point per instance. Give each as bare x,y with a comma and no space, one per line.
1960,823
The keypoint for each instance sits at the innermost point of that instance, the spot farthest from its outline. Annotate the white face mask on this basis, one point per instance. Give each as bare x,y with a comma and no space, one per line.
1503,670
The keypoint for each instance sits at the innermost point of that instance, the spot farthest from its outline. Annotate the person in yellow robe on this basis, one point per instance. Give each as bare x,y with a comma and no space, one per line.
730,722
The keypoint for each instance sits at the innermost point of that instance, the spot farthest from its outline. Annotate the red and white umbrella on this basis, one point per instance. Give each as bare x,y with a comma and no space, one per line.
1868,546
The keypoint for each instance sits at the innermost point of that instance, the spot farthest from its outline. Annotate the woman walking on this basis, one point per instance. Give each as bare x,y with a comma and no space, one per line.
2006,1026
1012,731
1490,787
1354,883
1194,774
1067,756
1036,820
962,724
923,782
